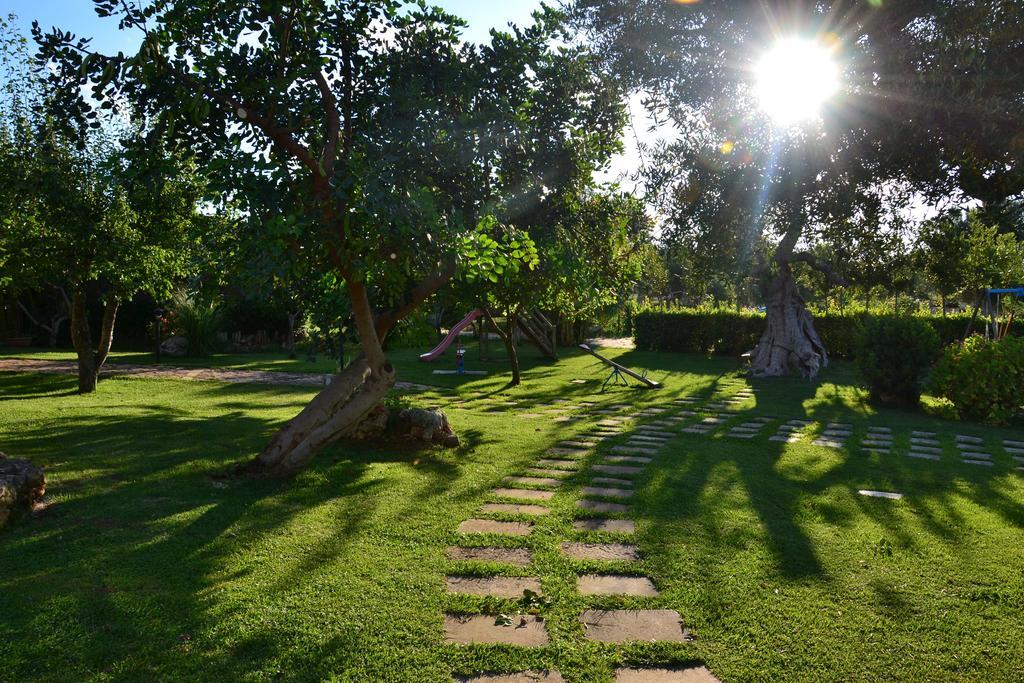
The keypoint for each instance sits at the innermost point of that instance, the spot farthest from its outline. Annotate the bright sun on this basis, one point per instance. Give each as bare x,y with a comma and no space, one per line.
794,78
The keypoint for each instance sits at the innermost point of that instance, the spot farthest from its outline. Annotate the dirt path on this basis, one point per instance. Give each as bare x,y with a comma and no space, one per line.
302,379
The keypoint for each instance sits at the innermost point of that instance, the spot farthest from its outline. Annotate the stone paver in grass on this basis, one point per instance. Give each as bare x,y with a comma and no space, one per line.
645,441
621,483
519,557
603,552
601,584
547,473
525,631
607,492
617,526
534,481
638,459
984,463
880,494
515,509
623,626
963,438
698,429
490,526
521,677
923,441
693,674
923,456
497,586
529,416
575,445
566,453
600,506
634,450
650,431
934,450
559,464
523,494
617,469
927,435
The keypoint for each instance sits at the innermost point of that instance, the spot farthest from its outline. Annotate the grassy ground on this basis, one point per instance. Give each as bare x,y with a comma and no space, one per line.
147,564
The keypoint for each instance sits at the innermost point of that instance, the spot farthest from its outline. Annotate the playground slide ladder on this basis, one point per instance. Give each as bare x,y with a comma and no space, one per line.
540,331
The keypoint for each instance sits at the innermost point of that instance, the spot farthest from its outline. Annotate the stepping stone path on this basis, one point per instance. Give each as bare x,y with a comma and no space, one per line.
604,500
878,440
750,429
834,435
972,450
791,431
1016,451
924,446
707,424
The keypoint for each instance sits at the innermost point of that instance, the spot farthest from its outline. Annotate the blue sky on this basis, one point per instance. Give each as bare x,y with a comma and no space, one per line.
78,17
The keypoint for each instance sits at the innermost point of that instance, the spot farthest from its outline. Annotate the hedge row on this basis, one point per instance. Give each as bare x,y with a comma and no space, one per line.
731,333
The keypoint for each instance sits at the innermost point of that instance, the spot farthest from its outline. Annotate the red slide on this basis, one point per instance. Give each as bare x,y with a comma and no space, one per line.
452,335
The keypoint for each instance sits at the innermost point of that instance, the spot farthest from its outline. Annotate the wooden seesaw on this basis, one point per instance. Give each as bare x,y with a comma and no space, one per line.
620,372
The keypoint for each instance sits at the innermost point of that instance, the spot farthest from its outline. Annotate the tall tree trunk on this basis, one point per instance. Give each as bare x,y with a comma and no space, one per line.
508,338
91,360
942,297
790,342
290,341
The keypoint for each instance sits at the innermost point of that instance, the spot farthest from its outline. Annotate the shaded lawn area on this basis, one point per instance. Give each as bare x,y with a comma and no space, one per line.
148,565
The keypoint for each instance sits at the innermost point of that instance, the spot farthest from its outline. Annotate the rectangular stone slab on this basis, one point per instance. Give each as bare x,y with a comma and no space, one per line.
522,677
559,464
601,584
566,453
598,506
547,473
923,456
617,469
519,557
693,674
621,483
523,494
514,509
623,626
602,552
880,494
533,481
490,526
607,492
925,449
617,526
986,463
526,631
627,458
633,450
963,438
510,587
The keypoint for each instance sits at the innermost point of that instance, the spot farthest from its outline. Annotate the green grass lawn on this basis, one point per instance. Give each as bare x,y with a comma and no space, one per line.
147,564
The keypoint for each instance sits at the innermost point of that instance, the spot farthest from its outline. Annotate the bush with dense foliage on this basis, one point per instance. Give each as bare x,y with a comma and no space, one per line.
731,333
984,379
894,355
197,321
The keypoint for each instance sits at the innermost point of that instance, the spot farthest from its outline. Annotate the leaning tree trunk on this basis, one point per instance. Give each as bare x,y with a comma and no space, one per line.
790,343
339,408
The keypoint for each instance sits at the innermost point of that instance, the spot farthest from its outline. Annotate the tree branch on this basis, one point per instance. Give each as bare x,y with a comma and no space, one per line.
330,103
812,260
420,293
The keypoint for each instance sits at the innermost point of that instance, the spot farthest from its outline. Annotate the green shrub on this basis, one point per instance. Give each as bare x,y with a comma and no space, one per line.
413,332
894,356
197,321
983,379
730,332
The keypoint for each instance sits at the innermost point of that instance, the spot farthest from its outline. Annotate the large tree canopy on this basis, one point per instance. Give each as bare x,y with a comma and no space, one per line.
363,135
929,100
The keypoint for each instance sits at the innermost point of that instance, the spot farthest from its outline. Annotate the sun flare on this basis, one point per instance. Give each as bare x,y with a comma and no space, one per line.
794,79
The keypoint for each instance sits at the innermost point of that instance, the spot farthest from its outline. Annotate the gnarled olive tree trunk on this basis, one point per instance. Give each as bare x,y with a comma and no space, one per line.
91,360
790,343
